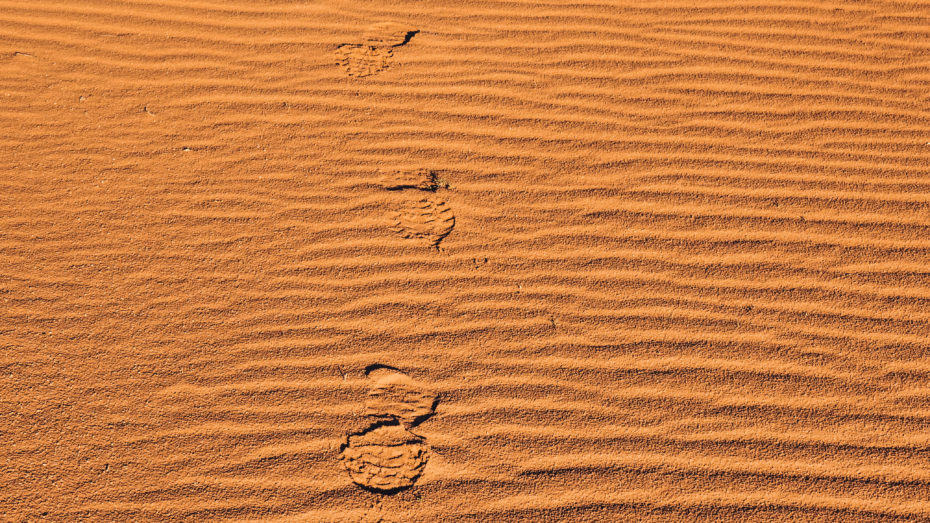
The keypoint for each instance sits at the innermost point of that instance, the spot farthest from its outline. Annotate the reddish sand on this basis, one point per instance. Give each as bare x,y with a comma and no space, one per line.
464,261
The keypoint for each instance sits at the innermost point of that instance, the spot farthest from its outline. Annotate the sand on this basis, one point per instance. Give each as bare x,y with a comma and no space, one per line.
323,260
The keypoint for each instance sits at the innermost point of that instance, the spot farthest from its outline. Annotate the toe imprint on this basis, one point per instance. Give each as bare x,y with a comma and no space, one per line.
394,395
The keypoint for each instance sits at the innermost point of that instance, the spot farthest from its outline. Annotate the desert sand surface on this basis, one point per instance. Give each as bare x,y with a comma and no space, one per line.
434,260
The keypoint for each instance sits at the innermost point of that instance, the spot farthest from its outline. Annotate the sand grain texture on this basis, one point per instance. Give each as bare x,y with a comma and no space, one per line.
655,261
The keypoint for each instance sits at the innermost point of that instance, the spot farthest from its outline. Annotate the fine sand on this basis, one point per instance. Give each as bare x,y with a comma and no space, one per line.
434,260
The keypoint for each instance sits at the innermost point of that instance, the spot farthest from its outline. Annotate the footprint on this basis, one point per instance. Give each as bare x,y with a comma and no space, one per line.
386,457
362,60
426,220
373,53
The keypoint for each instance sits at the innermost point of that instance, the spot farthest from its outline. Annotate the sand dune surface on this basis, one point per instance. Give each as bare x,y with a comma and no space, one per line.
502,260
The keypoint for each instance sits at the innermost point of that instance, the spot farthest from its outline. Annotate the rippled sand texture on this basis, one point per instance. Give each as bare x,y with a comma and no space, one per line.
661,261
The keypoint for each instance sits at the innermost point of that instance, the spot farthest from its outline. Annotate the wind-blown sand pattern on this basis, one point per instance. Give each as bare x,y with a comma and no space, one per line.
687,281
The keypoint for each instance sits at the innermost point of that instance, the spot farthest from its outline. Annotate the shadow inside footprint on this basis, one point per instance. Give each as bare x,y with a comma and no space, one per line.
428,220
388,34
407,37
420,179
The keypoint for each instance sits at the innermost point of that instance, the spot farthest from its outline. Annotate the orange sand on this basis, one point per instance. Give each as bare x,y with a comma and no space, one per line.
617,260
